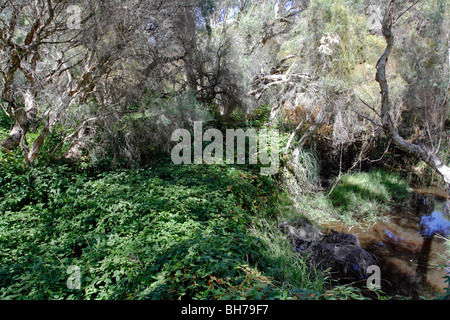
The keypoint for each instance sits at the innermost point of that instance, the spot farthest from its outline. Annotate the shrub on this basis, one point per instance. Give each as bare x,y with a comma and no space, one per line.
164,232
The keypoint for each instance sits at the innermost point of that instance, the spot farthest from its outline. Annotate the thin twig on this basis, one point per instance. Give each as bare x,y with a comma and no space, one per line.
340,174
373,122
370,107
4,110
384,153
406,10
57,257
291,138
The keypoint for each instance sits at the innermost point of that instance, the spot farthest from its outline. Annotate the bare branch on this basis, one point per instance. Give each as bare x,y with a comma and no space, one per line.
409,8
367,118
370,107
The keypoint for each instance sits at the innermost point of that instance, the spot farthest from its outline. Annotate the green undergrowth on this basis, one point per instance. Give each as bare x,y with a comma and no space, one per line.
4,125
366,196
164,232
359,197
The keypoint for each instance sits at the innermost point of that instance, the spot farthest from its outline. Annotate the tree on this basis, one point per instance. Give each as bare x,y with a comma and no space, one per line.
422,152
57,55
46,66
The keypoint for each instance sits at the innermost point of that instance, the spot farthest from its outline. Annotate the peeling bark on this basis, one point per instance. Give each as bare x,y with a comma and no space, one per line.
17,134
32,154
79,144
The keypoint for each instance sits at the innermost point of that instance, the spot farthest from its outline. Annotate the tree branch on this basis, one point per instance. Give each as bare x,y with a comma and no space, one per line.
421,152
407,10
370,107
367,118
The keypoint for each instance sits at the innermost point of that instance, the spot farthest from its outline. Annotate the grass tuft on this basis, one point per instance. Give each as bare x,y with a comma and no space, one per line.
366,195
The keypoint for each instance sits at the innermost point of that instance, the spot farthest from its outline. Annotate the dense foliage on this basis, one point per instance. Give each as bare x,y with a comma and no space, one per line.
165,232
91,92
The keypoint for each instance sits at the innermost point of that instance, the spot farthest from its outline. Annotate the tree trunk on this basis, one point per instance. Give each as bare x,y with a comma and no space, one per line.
79,144
14,138
25,117
421,152
32,154
17,134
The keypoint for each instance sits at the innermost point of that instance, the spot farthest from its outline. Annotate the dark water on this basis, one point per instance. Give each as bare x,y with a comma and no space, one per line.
407,243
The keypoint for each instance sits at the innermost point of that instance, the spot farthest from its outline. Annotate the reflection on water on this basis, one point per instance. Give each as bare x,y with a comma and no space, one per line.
411,256
436,223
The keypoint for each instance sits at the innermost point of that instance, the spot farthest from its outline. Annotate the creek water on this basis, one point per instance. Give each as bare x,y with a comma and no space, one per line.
408,244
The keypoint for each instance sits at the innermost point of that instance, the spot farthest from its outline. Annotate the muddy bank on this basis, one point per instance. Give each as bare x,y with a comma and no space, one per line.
338,252
408,244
